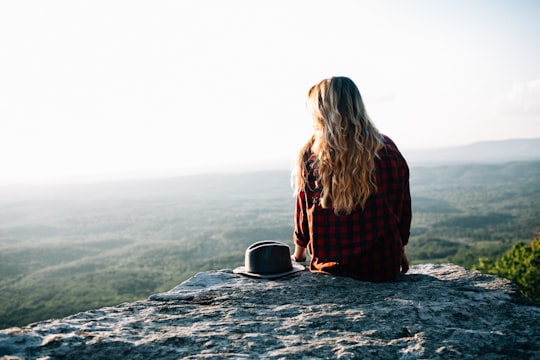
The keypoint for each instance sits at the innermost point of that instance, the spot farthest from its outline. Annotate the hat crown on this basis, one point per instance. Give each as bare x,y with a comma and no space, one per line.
268,257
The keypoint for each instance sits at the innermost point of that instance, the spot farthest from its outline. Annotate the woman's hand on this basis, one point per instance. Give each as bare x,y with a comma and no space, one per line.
404,261
299,254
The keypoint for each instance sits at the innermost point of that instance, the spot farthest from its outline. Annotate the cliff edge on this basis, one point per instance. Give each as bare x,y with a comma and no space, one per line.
433,312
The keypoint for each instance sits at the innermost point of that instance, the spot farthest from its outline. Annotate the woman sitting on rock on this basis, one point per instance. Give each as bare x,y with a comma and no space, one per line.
353,205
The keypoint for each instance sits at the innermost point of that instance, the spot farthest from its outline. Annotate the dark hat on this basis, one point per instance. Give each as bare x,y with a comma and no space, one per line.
268,260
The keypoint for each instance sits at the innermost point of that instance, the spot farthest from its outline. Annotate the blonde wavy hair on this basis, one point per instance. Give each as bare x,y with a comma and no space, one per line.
345,144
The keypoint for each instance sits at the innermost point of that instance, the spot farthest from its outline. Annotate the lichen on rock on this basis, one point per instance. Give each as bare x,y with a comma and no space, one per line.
433,312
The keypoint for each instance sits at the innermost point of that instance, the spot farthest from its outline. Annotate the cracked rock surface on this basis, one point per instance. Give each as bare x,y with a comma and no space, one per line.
433,312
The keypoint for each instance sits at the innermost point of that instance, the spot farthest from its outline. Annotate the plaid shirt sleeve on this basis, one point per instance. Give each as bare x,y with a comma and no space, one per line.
367,243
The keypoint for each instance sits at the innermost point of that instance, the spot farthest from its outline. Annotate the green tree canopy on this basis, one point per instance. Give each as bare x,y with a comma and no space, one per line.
520,264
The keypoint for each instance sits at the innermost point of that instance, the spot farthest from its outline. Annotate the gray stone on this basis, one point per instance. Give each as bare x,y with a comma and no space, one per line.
433,312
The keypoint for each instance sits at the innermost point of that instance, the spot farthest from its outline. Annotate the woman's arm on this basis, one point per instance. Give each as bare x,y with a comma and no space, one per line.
301,229
404,261
299,253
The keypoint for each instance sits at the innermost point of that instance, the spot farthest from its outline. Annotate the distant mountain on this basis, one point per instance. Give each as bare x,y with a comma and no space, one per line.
480,152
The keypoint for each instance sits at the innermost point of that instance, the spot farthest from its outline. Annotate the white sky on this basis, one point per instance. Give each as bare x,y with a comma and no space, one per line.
93,90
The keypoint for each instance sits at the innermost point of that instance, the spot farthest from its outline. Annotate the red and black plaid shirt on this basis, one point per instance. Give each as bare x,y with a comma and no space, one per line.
365,244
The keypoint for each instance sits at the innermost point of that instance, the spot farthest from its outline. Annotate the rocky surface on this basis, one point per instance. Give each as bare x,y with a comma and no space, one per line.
433,312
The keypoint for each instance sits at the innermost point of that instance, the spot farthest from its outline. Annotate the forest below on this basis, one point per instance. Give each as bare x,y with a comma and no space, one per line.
65,249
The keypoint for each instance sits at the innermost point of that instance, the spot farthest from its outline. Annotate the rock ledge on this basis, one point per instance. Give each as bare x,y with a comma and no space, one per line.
434,312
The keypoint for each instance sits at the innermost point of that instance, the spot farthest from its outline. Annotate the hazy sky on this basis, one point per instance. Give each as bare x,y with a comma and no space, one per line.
114,89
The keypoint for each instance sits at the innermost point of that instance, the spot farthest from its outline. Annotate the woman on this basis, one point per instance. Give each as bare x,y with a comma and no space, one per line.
353,205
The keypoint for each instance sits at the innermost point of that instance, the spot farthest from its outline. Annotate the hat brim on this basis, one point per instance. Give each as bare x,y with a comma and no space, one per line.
242,271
